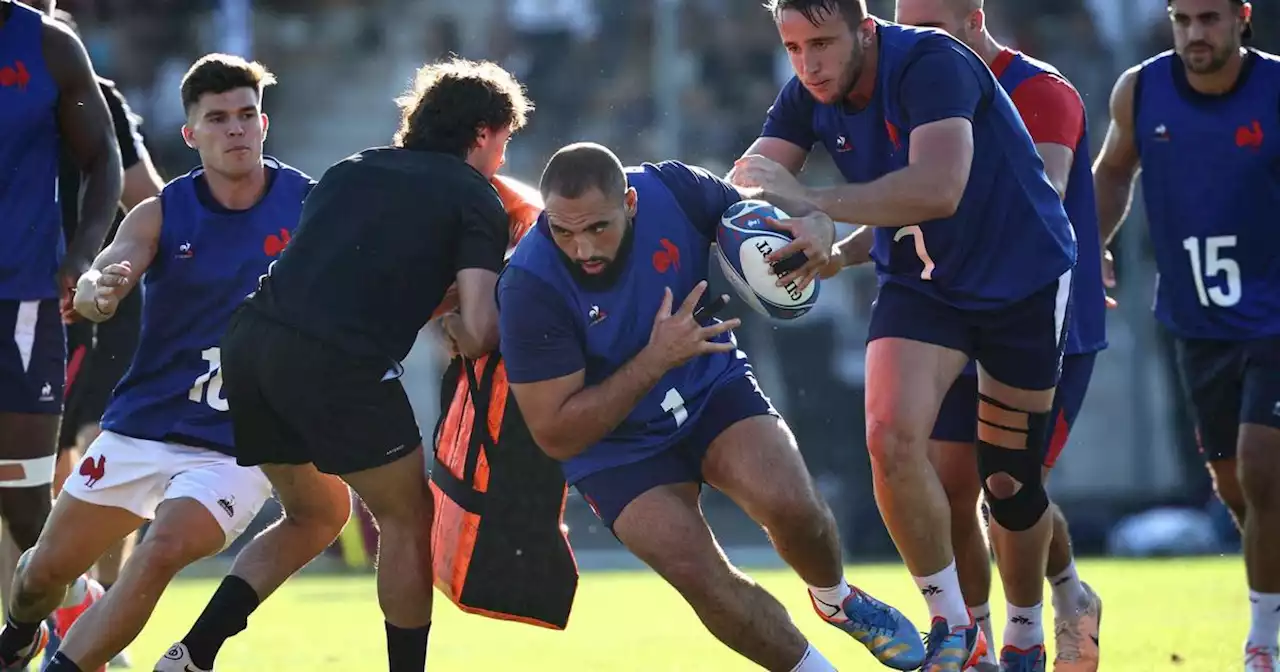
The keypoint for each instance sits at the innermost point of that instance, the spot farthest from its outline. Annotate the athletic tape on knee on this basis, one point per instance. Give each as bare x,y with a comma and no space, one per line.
1025,508
27,473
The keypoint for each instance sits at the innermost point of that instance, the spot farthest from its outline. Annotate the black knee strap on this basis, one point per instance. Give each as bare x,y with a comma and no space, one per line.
1025,508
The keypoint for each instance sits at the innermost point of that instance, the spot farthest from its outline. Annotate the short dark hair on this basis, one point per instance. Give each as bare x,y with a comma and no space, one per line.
220,73
575,169
1248,27
853,11
452,100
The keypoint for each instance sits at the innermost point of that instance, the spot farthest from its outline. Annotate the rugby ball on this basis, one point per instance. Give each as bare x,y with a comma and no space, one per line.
743,240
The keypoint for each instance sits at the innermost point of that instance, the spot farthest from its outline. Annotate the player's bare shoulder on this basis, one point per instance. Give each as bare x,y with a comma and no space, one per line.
64,53
1123,93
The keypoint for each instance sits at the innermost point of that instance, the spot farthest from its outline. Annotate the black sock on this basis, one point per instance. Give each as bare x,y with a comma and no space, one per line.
407,648
61,663
105,586
17,636
226,615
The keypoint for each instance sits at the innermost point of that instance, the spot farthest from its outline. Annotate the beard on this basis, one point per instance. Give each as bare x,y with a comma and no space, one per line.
612,269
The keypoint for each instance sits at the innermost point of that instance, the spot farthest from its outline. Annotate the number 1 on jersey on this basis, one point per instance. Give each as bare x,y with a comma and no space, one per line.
207,387
1209,264
673,403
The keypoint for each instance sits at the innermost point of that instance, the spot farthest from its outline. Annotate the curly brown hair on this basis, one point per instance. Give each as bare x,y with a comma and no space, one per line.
452,100
220,73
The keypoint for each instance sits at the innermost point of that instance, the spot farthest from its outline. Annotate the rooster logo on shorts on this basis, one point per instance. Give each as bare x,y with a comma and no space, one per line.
93,471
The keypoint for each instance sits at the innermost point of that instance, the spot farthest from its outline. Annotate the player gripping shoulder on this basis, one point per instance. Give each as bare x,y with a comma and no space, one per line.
1199,123
1055,117
943,174
166,453
622,375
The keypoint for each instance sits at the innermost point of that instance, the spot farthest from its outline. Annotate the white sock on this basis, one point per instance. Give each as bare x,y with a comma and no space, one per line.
831,600
812,661
1068,592
1024,628
1264,621
76,593
941,592
982,616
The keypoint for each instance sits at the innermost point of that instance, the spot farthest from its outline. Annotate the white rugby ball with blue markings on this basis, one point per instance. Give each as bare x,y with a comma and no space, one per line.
743,240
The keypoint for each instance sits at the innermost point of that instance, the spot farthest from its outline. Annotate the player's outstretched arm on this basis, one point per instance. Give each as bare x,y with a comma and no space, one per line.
119,268
85,124
1118,163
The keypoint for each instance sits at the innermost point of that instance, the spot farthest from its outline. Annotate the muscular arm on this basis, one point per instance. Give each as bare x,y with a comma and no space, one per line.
546,366
940,91
1118,163
1053,113
136,242
789,155
930,187
566,416
86,128
1057,165
475,328
787,135
481,249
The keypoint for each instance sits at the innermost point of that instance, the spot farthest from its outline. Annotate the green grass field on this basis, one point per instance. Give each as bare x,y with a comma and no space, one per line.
1159,615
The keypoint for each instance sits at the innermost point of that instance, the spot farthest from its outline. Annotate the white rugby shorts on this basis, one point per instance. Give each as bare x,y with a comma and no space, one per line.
137,475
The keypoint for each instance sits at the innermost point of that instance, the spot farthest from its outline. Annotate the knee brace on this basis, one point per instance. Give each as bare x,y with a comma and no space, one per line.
1024,508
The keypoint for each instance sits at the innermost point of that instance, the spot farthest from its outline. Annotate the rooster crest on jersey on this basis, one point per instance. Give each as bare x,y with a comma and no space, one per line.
743,240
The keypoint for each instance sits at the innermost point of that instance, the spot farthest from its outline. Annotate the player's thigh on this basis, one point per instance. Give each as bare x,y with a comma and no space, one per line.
229,494
752,456
611,492
1212,374
113,491
1073,387
1020,347
309,497
916,348
665,529
1259,440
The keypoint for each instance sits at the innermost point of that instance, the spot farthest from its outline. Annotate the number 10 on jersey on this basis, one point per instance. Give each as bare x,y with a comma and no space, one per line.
207,388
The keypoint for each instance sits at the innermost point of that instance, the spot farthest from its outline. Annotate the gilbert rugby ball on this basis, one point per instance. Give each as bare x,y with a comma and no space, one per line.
743,240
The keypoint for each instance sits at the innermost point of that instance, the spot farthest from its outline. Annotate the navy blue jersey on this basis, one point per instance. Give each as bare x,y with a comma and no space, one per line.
1088,329
1211,184
31,245
207,261
1010,236
551,326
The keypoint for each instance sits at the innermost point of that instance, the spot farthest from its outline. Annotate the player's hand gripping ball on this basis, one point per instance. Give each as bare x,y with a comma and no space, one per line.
744,239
